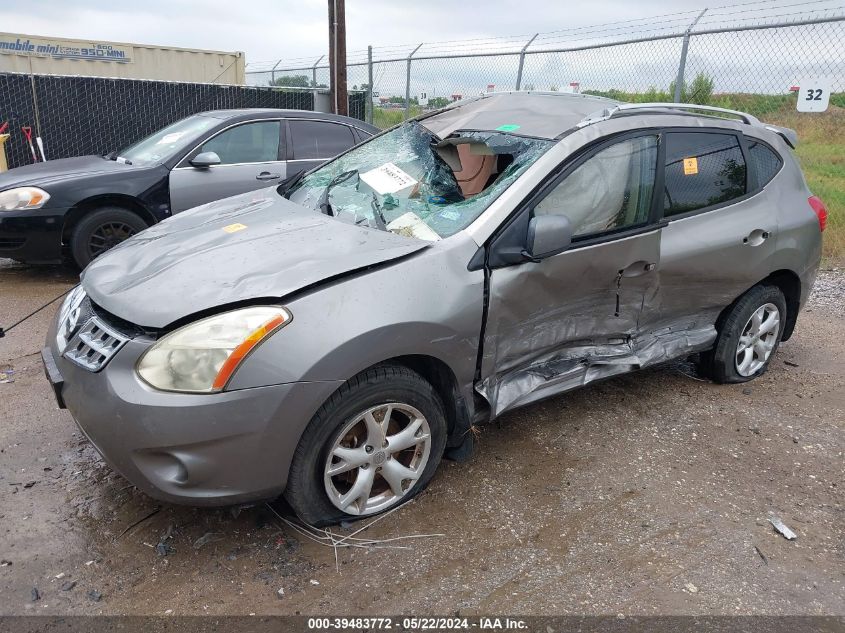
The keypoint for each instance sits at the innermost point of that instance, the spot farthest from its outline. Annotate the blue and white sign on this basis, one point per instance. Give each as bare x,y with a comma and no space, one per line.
64,49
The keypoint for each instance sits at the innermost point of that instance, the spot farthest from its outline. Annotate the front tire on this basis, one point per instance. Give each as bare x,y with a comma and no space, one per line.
748,337
100,230
374,445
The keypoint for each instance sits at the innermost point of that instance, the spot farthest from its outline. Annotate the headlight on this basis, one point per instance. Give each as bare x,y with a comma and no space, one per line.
201,357
23,198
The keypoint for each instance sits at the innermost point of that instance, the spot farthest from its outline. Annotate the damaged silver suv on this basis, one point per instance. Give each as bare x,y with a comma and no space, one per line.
333,338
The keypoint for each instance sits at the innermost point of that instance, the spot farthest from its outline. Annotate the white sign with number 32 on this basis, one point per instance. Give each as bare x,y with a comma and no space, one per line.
813,95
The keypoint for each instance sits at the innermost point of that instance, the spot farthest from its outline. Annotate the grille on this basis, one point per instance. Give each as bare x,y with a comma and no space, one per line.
94,345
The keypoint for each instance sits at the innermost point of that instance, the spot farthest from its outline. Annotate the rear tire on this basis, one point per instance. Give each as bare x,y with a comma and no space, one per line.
102,229
748,337
340,426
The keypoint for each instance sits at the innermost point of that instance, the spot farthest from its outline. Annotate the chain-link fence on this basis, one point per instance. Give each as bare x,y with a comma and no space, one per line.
749,57
75,116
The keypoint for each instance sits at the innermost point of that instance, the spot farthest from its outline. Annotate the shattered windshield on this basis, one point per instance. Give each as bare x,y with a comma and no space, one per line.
408,181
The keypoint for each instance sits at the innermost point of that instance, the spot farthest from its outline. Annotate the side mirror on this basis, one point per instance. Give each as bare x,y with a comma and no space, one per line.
205,159
547,235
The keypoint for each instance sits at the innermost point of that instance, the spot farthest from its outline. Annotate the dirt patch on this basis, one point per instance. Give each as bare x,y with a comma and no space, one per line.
645,494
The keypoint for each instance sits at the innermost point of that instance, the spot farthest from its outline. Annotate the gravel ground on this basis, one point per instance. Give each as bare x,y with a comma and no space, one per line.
829,291
645,494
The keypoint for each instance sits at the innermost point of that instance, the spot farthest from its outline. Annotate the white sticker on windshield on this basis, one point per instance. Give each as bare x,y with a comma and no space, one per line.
167,139
388,179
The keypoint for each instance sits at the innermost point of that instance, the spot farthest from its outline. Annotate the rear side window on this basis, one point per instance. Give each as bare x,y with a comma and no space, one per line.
702,169
319,139
765,163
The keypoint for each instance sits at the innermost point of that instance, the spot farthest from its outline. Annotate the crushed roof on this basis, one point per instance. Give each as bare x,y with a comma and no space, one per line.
544,115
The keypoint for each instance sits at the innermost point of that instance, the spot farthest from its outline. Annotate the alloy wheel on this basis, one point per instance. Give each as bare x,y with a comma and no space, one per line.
108,235
758,339
377,458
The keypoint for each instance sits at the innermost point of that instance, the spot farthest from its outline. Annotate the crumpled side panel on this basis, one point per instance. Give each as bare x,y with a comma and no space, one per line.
579,365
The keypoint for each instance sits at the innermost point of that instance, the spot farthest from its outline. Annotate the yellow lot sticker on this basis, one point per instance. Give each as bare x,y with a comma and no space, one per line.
690,166
234,228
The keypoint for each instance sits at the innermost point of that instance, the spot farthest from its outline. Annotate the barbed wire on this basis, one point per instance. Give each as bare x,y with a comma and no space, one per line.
758,12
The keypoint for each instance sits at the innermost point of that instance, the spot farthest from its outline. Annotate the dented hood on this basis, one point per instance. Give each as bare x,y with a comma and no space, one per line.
256,245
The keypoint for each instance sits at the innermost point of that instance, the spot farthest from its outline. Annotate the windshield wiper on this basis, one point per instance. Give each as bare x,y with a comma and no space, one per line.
286,186
377,214
323,203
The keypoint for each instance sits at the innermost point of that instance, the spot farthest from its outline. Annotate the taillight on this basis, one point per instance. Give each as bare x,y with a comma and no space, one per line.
819,209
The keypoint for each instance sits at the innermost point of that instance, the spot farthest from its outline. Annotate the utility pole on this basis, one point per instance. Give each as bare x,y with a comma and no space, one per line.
337,57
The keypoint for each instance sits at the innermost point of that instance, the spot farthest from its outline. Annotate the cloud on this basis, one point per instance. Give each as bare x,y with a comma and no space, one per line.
269,29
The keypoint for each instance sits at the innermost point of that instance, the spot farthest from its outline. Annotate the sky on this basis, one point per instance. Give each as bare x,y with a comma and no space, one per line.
297,32
273,29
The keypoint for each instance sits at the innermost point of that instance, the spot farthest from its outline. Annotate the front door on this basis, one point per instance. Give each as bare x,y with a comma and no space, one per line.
249,159
572,318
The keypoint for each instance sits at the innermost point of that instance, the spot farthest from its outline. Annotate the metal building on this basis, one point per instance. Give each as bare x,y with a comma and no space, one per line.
38,55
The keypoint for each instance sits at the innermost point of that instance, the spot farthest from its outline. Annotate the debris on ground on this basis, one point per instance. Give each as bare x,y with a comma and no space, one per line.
139,521
780,526
164,548
30,484
6,376
36,595
5,563
67,585
691,587
761,555
208,537
94,595
789,363
281,592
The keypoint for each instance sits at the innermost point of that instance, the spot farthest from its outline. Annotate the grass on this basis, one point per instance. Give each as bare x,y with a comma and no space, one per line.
821,152
388,117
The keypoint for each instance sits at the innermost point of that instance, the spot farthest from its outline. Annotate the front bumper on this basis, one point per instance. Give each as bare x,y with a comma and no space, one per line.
32,236
195,449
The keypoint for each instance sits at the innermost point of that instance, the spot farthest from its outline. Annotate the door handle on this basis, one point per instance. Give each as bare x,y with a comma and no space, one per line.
266,175
756,237
637,268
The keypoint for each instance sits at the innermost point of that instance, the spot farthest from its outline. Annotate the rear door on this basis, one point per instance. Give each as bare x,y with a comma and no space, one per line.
573,317
721,227
312,142
251,157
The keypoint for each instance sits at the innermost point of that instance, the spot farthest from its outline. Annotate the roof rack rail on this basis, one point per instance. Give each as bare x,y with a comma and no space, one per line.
623,107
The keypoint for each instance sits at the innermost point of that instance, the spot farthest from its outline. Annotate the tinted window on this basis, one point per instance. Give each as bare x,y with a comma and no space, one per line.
248,143
611,190
318,139
702,169
764,162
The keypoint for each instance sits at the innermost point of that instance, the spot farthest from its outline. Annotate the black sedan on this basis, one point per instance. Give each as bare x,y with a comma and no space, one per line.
83,206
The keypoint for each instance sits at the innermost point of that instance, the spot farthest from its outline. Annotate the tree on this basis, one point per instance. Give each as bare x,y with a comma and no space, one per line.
700,91
439,102
292,81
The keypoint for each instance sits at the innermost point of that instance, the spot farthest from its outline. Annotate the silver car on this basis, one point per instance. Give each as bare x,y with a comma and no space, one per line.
333,338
